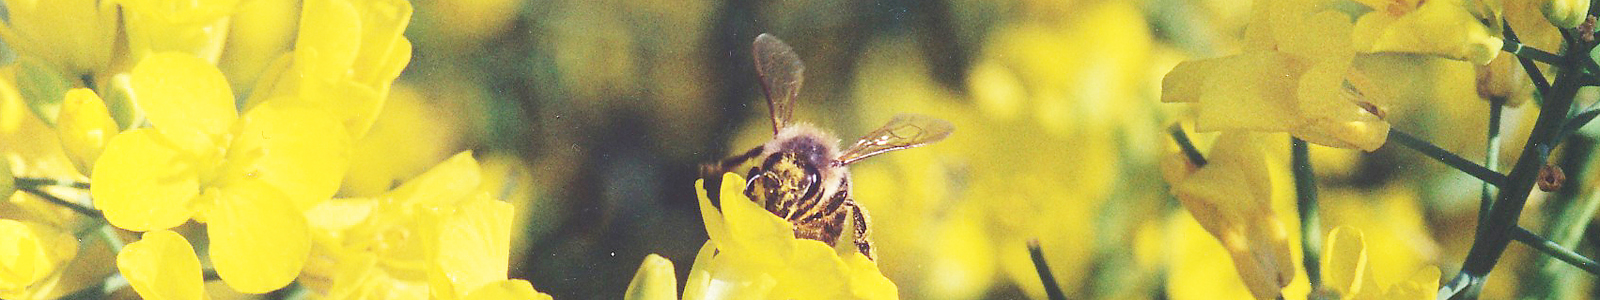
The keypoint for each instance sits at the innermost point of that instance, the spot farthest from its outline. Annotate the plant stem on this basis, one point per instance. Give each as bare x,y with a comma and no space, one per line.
1052,290
63,202
1445,156
1553,249
1491,156
1539,82
1305,188
30,182
1187,145
1523,51
1490,241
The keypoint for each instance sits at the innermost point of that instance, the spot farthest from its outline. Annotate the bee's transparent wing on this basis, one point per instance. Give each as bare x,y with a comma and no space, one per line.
904,131
781,75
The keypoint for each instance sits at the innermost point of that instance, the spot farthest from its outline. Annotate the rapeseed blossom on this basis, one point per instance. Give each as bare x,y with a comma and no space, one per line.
753,254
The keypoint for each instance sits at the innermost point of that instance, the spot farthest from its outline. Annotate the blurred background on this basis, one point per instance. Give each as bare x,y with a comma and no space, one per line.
604,108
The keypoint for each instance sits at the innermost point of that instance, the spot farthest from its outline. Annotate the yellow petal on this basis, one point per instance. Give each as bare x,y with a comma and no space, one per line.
1250,91
1424,284
1230,196
299,150
197,28
1443,28
30,252
258,33
329,39
382,22
74,34
866,281
716,228
142,184
450,182
181,92
1187,80
470,247
507,289
1330,107
1344,261
161,266
655,280
751,228
85,127
259,240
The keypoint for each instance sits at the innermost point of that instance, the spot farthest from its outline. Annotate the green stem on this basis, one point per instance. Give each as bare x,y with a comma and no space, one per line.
1490,241
1555,250
1305,187
1523,51
1491,157
63,202
1539,82
1052,290
30,182
1445,156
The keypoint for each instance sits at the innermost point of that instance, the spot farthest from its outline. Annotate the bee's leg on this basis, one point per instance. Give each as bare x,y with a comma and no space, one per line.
712,173
858,223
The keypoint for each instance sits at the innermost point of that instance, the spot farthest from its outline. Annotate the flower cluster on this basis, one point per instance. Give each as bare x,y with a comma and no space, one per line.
1329,73
229,127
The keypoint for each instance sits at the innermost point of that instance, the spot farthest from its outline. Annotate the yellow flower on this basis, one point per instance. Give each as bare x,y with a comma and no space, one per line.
250,176
654,281
1448,28
198,28
436,234
162,265
753,254
1346,270
1565,13
1231,197
346,56
1307,87
75,35
32,256
258,33
85,127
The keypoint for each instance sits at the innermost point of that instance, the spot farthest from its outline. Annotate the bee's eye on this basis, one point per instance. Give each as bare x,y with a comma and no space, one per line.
812,181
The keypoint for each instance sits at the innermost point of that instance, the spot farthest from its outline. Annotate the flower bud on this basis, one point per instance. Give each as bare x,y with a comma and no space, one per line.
1565,13
84,127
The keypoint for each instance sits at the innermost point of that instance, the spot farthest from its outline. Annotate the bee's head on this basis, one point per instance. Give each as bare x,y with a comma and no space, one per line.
789,176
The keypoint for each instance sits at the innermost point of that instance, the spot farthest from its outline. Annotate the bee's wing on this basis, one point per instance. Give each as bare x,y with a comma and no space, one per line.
904,131
781,75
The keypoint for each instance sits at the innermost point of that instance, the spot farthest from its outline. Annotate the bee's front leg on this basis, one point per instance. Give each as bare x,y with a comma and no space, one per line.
858,224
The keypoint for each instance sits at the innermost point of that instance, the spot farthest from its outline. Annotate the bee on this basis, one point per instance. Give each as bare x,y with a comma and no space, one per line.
800,175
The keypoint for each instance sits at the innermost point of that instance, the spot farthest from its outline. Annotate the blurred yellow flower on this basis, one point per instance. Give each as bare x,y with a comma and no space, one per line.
162,266
75,35
249,176
1231,197
654,281
1346,270
753,254
32,256
198,28
437,234
1306,87
1565,13
1447,28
